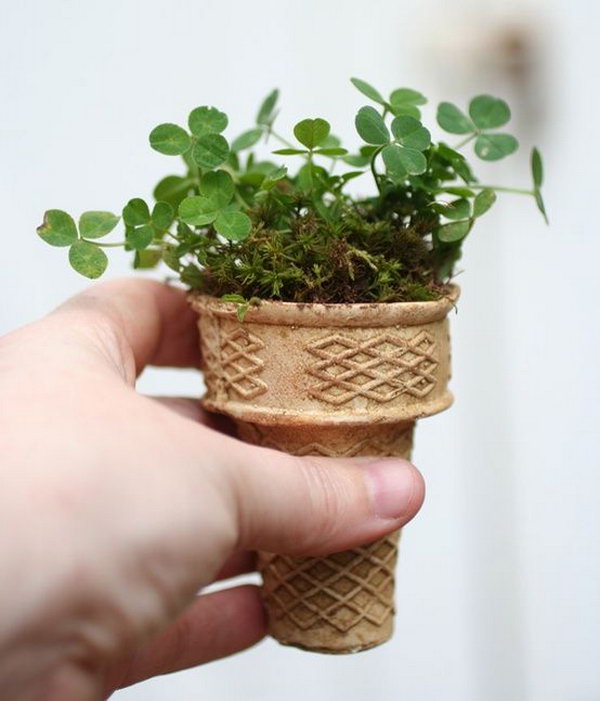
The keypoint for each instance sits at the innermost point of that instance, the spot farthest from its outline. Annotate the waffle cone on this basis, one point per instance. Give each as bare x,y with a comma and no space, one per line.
330,380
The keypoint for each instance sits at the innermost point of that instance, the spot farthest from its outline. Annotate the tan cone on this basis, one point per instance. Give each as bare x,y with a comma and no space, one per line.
332,380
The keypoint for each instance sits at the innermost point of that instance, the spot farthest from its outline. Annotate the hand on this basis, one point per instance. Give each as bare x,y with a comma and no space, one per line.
116,508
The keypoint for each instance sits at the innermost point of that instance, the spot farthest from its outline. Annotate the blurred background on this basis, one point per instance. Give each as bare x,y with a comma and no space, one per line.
499,579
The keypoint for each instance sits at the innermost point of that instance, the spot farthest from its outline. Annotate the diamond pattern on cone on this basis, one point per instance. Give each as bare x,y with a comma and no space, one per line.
239,364
380,368
341,590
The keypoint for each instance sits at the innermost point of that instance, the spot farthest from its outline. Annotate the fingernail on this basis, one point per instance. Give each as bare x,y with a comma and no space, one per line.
391,485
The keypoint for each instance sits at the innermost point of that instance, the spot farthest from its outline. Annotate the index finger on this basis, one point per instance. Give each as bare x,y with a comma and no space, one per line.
146,322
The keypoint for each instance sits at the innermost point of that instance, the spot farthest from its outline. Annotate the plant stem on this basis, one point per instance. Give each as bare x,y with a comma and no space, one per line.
373,170
280,138
464,142
500,188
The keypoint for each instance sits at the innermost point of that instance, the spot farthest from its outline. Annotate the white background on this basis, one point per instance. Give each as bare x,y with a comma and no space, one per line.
499,581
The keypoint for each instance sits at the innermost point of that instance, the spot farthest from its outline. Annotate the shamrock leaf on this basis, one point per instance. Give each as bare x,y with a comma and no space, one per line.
409,132
452,120
58,228
95,225
368,90
493,147
266,113
404,102
210,151
198,210
488,112
207,120
371,127
312,132
170,139
87,259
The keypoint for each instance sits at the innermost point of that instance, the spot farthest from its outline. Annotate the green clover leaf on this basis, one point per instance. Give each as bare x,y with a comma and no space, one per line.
207,120
312,132
95,225
371,127
170,139
87,259
58,228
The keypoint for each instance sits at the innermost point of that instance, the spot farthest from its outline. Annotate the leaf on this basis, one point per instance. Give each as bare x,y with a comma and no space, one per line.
210,151
87,259
483,201
58,228
170,257
162,216
405,109
95,225
207,120
452,120
400,160
407,96
273,177
368,90
331,141
198,211
537,169
488,112
539,201
356,161
493,147
411,133
170,139
331,151
136,212
290,151
455,231
311,132
457,161
393,163
139,237
311,176
265,112
144,260
234,226
172,189
218,187
246,140
371,127
458,209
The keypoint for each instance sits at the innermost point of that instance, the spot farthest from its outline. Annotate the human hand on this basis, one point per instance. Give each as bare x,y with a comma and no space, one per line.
116,508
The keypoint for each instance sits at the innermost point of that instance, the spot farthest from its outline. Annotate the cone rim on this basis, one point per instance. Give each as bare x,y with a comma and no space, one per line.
364,314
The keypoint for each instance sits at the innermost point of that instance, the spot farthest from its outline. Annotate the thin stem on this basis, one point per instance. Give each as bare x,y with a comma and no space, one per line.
373,170
280,138
240,199
500,188
464,142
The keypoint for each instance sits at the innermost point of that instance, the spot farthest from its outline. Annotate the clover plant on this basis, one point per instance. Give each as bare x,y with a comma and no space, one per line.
240,225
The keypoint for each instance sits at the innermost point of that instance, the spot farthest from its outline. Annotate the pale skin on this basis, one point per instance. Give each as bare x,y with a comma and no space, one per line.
117,508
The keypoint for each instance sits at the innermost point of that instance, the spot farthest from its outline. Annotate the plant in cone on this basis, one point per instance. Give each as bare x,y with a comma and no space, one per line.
322,314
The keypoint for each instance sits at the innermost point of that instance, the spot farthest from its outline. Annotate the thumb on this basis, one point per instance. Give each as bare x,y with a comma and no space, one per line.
313,505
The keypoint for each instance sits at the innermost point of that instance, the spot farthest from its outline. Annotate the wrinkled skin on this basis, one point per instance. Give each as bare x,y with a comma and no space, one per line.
116,508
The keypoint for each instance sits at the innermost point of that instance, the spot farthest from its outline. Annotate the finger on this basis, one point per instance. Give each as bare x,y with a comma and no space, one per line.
145,321
190,408
307,505
239,563
215,626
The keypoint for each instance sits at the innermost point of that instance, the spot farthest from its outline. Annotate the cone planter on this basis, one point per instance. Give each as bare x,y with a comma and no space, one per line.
332,380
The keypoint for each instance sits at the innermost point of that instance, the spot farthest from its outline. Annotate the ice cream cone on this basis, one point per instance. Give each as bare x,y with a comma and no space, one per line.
332,380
